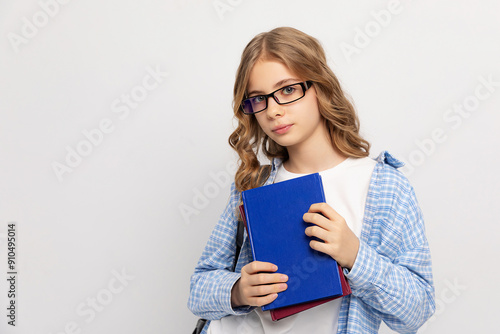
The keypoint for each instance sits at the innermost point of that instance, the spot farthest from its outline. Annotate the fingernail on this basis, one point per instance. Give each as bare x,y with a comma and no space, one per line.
284,278
275,267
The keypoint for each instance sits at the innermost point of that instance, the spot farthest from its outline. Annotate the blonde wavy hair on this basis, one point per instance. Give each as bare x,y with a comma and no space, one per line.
305,57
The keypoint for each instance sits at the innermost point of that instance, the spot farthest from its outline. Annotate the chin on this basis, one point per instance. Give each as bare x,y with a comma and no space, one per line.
284,142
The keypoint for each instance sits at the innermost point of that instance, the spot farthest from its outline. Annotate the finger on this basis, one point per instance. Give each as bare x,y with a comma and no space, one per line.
264,300
317,219
320,247
266,289
265,279
317,232
325,210
255,267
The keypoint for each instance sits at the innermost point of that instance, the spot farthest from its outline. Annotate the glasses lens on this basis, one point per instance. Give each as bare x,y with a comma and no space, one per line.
247,107
254,104
290,93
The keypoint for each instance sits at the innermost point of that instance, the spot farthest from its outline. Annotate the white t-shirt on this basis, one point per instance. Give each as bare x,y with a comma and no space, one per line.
346,187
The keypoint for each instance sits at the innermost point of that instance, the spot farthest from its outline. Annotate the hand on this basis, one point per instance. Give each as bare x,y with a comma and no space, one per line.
258,285
338,240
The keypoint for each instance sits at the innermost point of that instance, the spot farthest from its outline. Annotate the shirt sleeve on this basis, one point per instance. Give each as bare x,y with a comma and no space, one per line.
212,280
392,272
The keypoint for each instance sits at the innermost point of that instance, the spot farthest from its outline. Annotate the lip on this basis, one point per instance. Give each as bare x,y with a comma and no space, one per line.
281,129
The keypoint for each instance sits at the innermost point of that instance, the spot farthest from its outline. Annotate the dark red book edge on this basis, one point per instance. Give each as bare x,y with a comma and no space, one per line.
242,213
284,312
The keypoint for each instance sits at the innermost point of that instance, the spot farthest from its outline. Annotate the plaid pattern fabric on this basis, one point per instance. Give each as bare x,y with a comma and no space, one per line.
391,279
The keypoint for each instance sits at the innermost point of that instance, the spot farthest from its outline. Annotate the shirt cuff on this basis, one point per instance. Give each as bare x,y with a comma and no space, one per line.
363,273
226,287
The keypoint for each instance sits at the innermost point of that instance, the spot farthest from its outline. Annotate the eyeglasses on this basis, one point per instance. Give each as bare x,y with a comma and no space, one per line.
284,95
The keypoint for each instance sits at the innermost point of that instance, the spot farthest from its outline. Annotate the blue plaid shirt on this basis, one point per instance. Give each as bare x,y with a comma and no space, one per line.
391,279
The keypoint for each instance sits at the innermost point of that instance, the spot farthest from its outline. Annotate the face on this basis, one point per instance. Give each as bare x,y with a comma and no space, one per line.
297,125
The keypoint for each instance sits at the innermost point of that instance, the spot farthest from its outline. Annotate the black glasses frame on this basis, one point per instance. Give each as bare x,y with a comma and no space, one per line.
305,86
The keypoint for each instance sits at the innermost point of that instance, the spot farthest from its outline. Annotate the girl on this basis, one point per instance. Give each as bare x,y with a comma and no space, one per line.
290,105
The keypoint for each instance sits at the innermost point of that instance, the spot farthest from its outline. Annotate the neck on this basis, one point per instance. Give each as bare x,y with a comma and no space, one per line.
315,158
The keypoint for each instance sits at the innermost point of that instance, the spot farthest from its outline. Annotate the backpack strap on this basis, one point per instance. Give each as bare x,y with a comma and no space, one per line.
263,175
239,242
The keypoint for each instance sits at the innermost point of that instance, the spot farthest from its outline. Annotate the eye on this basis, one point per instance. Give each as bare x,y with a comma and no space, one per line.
288,90
258,99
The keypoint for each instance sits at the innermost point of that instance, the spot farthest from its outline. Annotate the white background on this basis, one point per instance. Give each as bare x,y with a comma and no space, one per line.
119,209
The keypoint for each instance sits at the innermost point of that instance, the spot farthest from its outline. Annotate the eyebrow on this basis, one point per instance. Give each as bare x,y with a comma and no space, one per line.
277,85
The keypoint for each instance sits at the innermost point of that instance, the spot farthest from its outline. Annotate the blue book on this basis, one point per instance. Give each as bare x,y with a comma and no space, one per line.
276,231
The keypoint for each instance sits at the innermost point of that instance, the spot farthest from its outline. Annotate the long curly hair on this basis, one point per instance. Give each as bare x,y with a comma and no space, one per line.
305,57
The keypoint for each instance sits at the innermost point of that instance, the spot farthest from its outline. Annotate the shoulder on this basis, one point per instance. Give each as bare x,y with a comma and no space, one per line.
390,190
394,206
387,176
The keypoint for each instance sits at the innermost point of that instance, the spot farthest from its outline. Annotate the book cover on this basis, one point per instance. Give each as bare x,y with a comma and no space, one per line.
283,312
276,233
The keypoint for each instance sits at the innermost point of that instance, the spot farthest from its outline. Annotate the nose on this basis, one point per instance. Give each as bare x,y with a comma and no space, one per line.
273,108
